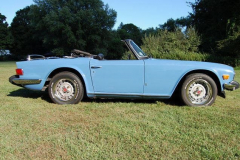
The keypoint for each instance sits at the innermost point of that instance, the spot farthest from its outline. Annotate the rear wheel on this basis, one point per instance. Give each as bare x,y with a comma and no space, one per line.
66,88
199,90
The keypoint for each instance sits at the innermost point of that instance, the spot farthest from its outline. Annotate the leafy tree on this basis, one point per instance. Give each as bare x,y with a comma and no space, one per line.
180,23
215,20
170,25
25,40
116,47
5,39
64,25
130,31
152,31
230,49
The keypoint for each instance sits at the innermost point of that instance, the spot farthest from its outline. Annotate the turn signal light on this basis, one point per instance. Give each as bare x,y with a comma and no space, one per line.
226,77
19,72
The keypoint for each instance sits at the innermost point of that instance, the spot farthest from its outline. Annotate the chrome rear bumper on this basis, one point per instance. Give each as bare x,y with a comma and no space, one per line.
21,82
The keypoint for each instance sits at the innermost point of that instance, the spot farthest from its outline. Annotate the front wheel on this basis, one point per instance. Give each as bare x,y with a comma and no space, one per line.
199,90
66,88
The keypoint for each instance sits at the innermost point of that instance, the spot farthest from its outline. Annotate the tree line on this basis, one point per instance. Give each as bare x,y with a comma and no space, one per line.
55,27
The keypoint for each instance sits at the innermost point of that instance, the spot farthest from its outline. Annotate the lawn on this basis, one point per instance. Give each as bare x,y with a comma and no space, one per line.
32,127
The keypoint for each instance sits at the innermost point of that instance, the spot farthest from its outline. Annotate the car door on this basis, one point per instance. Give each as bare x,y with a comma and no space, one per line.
162,76
117,76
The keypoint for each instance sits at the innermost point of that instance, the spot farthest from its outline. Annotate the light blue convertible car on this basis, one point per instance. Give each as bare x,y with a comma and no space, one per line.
69,79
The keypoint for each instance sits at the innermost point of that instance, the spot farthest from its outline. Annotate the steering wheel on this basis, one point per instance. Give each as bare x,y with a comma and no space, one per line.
82,53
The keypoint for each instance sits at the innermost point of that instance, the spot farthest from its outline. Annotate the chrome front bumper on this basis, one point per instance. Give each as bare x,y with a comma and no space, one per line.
231,86
21,82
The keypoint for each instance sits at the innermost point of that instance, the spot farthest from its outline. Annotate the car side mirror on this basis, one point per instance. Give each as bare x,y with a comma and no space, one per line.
100,56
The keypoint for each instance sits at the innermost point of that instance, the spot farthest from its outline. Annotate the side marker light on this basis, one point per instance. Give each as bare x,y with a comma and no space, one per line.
225,77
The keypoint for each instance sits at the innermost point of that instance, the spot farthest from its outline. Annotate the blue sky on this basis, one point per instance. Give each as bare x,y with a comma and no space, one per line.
142,13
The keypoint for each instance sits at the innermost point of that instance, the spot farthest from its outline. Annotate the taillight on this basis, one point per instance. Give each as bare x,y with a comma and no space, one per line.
19,72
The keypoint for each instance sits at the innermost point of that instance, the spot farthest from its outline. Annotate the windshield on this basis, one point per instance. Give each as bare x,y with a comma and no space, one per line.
138,50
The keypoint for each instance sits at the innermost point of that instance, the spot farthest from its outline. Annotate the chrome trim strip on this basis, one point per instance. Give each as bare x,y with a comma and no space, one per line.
128,94
117,94
26,81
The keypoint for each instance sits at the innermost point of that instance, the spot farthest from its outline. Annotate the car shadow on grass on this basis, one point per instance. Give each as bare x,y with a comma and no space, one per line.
25,93
172,101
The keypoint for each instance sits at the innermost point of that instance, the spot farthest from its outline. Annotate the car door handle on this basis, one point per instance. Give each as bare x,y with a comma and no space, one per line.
95,67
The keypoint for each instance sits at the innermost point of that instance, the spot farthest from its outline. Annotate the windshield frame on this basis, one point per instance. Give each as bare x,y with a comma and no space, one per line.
136,50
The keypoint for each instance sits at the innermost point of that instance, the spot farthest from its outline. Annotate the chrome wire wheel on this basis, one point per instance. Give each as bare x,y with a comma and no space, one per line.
66,88
199,90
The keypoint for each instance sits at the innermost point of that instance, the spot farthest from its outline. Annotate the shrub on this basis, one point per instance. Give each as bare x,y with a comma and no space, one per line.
174,45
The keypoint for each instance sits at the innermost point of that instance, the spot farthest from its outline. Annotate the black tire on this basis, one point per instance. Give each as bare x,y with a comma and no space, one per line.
66,88
199,90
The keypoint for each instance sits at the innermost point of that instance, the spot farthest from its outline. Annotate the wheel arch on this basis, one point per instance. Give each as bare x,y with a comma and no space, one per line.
64,69
207,72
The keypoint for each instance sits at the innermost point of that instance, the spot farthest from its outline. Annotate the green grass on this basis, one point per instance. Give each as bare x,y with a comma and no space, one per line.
32,127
